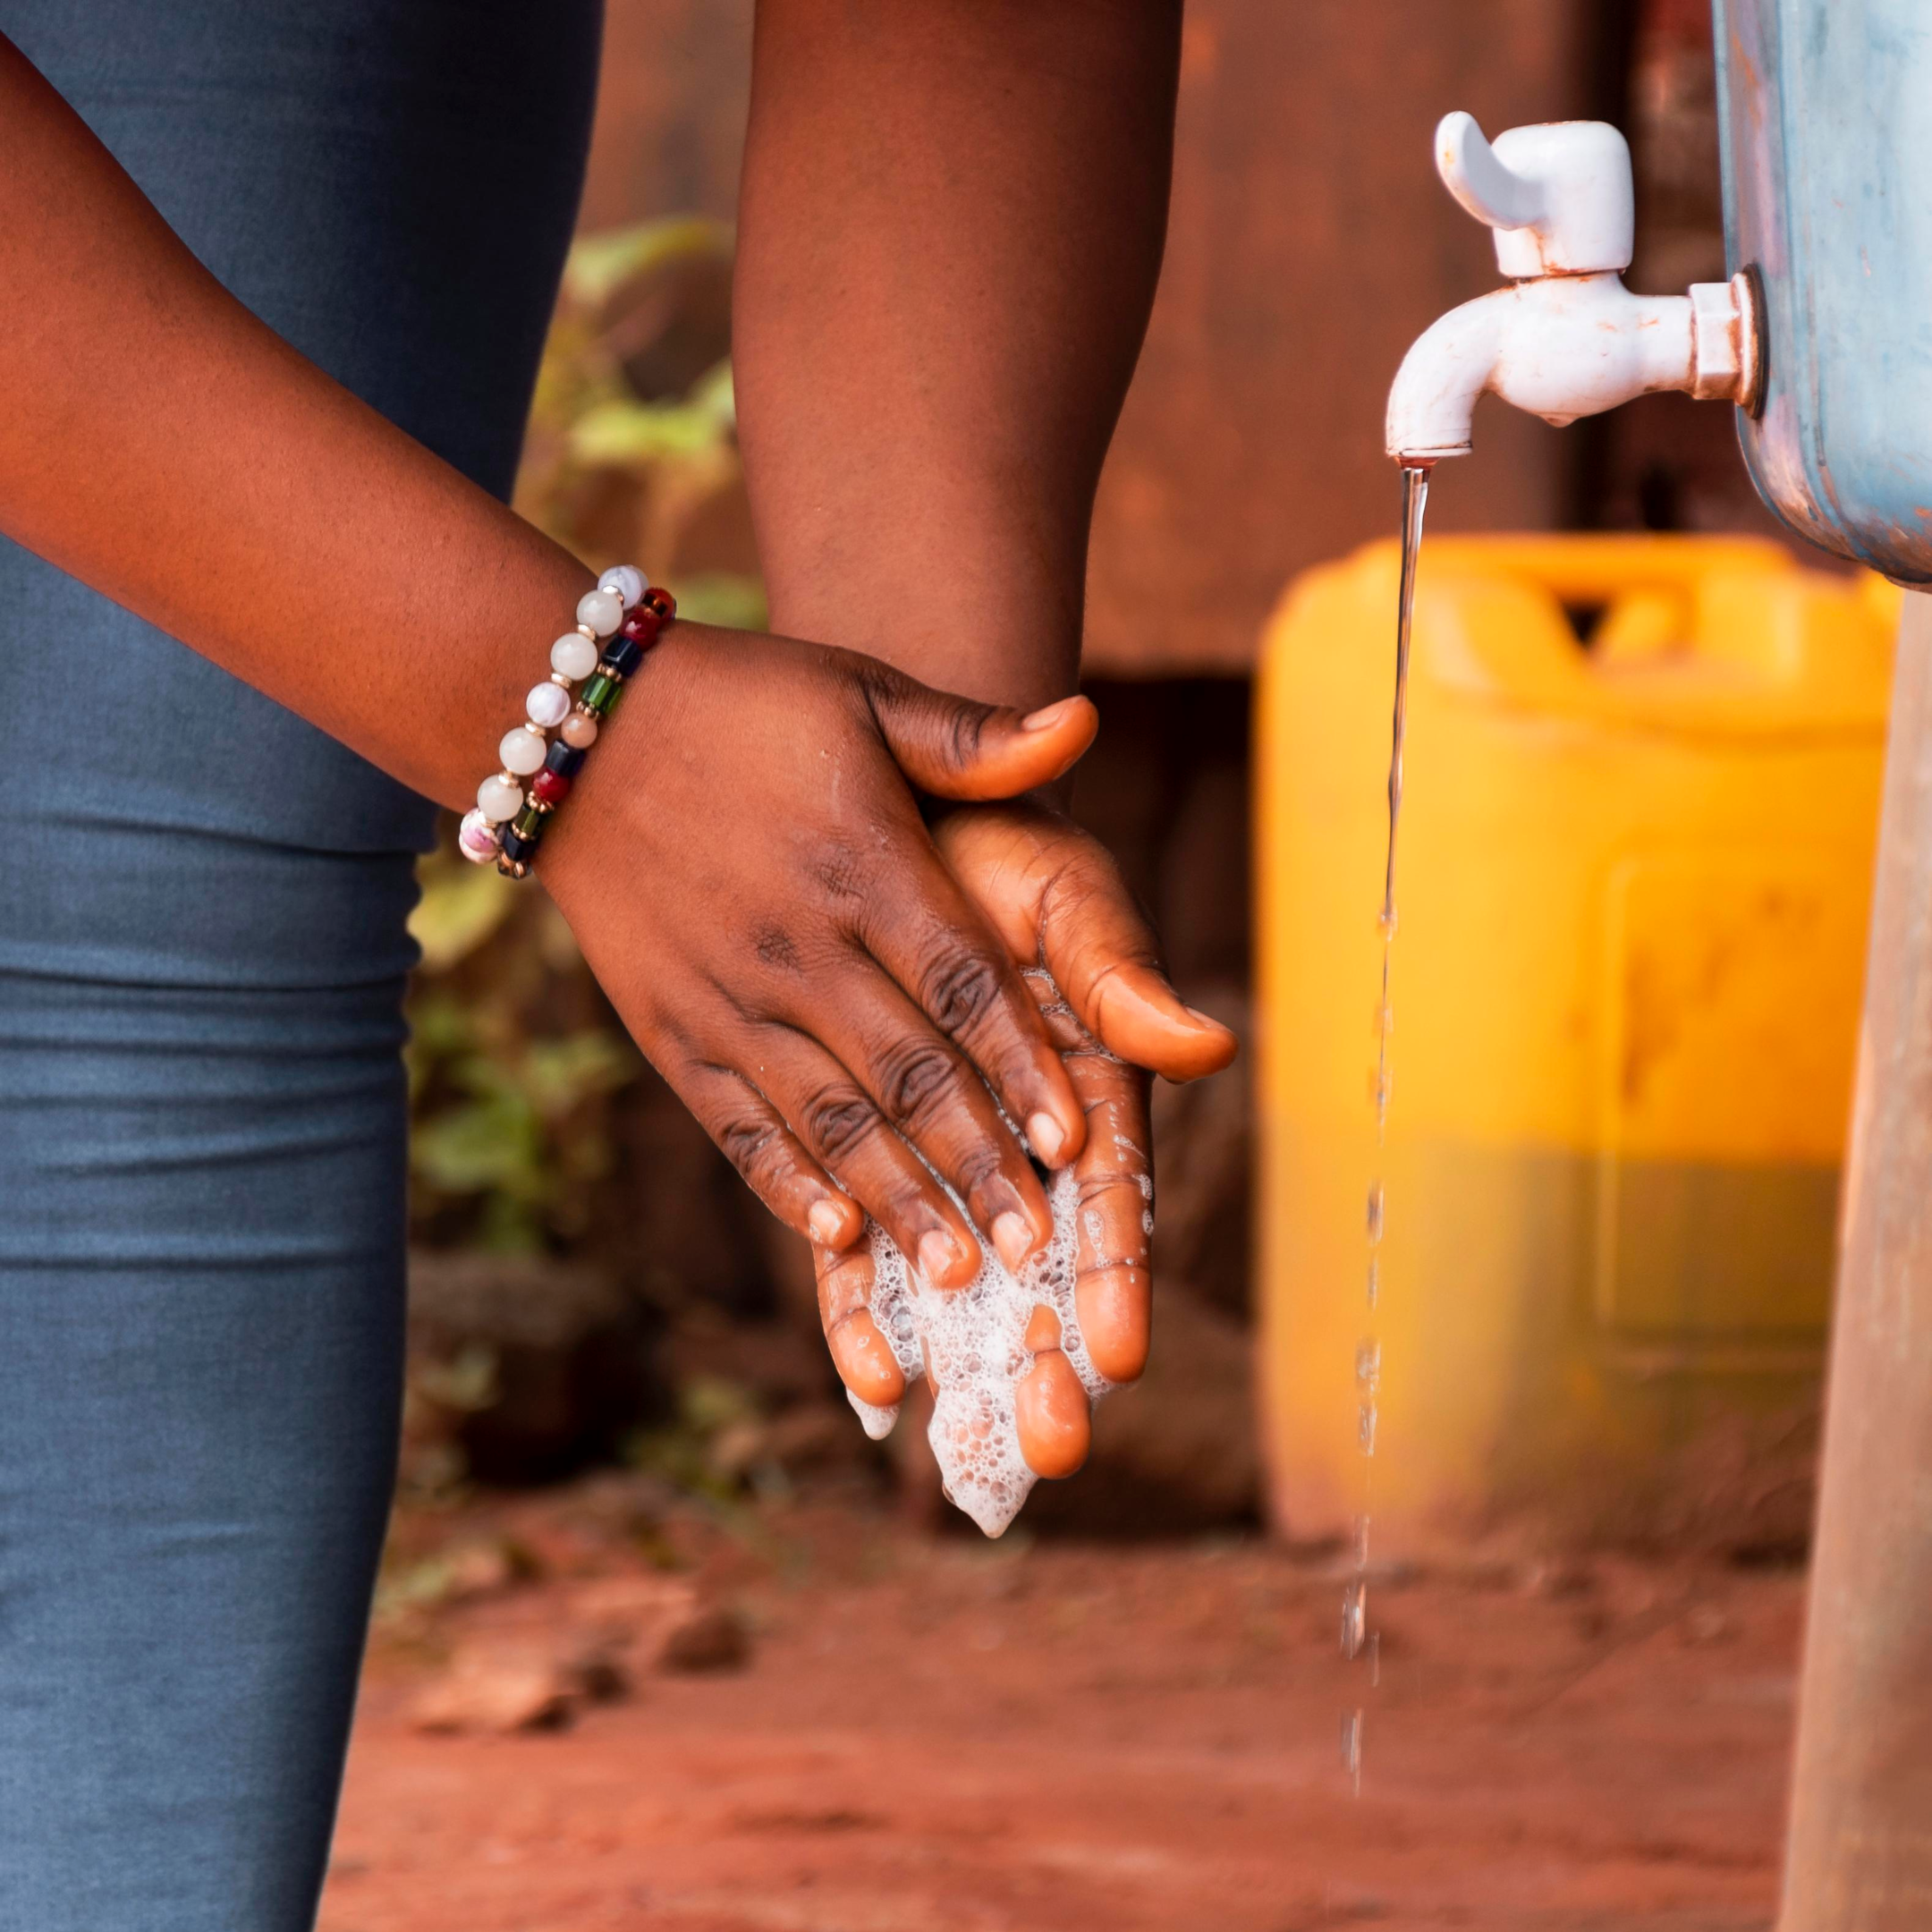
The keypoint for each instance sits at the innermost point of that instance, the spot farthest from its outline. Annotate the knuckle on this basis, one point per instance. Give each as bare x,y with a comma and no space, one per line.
915,1078
838,1120
757,1148
960,991
979,1168
837,870
964,732
775,947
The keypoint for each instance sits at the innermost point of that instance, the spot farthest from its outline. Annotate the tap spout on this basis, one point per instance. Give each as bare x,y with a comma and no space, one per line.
1563,346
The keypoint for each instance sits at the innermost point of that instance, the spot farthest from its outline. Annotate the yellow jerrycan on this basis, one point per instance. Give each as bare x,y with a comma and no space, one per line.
1633,875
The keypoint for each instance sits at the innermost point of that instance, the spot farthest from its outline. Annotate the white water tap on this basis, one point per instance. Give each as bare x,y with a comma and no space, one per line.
1566,338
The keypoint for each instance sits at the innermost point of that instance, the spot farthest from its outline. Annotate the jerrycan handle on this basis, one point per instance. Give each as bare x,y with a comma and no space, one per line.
1598,567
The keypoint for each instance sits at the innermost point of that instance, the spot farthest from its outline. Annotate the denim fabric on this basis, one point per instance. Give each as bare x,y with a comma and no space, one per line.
203,955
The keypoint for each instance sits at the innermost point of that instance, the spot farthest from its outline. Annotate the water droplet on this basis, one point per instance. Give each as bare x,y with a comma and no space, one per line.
1351,1730
1374,1217
1369,1363
1375,1283
1365,1428
1354,1616
1360,1541
1375,1661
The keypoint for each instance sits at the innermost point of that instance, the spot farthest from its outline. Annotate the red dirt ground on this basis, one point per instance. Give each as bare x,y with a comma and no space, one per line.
939,1733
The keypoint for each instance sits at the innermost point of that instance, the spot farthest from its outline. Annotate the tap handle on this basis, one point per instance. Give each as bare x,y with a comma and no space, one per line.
1492,191
1558,194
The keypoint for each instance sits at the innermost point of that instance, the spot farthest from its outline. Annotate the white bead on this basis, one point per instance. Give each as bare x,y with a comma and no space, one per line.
548,705
499,797
574,654
627,580
522,752
476,837
602,610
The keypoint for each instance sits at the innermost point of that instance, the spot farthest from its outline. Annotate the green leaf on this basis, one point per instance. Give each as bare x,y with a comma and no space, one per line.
559,1074
621,433
484,1145
458,911
722,597
600,264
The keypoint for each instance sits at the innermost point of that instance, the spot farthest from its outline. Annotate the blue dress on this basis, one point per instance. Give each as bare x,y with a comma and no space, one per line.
202,957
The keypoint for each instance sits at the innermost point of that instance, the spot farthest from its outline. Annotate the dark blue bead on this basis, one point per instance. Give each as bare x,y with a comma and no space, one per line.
516,846
563,760
622,655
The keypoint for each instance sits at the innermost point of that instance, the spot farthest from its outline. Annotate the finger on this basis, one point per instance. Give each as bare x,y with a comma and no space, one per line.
921,929
936,1101
1055,896
1050,1407
843,1130
864,1357
758,1143
956,748
1115,1179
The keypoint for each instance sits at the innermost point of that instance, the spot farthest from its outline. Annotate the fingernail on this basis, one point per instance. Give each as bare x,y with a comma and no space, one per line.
1012,1238
1043,1131
939,1254
1047,716
1194,1012
827,1223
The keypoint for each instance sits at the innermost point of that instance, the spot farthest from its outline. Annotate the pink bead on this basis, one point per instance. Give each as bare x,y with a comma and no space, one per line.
476,839
579,731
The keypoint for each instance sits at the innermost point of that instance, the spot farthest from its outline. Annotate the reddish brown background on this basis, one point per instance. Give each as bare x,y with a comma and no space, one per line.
1303,259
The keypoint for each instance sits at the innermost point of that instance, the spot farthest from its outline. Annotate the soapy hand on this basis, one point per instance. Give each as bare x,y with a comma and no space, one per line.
749,875
1061,909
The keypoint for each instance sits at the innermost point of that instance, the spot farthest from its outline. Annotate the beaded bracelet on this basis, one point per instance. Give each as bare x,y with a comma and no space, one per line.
506,826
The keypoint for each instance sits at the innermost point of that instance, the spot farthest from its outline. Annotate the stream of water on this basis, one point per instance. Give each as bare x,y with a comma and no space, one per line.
1358,1640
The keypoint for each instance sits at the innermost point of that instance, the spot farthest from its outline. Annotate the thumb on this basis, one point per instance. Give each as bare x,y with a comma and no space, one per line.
955,748
1056,897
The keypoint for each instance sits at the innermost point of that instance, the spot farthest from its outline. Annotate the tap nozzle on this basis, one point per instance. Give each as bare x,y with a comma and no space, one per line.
1566,338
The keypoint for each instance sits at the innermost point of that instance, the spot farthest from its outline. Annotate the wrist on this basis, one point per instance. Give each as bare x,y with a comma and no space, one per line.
616,626
1004,632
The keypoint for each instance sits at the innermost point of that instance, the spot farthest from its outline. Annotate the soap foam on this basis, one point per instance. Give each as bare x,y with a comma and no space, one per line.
971,1342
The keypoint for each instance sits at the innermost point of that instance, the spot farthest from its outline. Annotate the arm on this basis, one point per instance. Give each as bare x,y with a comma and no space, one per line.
951,229
743,861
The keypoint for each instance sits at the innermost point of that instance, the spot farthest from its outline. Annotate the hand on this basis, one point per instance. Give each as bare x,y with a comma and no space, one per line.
1057,900
746,870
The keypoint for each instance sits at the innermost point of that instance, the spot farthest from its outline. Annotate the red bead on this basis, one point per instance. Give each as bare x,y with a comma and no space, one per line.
549,788
660,600
641,624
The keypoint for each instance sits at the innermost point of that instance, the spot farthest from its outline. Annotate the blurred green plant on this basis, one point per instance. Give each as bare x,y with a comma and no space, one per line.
617,466
508,1113
686,1453
514,1056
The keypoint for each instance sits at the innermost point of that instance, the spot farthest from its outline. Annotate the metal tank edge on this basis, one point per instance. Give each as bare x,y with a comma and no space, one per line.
1826,142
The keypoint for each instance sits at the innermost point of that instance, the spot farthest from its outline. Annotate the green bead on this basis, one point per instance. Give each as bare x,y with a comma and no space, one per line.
599,693
528,823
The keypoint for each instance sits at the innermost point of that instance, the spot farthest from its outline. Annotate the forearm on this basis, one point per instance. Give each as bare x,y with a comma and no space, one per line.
160,443
951,229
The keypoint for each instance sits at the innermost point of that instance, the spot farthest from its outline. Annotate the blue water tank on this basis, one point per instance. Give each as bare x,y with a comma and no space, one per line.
1826,113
